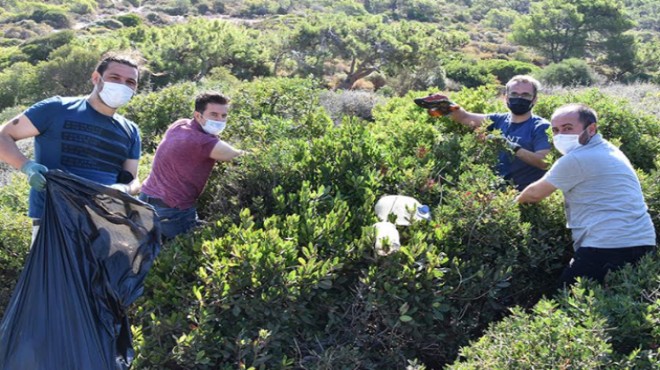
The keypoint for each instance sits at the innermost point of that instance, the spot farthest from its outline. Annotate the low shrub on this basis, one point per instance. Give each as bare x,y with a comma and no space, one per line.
505,69
591,326
468,73
129,20
285,275
155,111
569,72
15,233
56,18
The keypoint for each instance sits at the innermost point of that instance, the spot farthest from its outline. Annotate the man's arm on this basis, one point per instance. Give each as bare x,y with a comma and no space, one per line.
469,119
131,165
536,159
439,104
16,129
225,152
536,192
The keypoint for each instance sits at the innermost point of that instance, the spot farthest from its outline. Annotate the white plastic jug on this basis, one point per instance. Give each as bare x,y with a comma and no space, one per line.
405,208
386,231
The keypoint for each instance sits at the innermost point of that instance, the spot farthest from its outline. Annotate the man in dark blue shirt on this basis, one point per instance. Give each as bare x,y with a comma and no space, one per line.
524,132
83,136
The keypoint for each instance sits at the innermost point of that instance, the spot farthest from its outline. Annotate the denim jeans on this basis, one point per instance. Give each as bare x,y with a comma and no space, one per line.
174,221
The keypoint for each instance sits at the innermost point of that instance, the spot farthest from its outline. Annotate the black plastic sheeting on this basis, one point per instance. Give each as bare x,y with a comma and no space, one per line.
87,265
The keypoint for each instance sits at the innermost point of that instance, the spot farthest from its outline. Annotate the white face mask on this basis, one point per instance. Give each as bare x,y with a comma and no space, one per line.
566,142
115,95
214,127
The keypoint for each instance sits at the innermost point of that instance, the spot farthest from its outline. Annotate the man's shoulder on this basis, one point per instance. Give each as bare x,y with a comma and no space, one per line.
125,122
52,108
54,102
539,121
499,116
499,121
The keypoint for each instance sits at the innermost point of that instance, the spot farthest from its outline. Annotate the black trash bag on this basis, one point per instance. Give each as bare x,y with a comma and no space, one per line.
87,265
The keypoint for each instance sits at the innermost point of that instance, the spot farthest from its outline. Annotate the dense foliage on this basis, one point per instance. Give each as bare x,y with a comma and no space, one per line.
284,275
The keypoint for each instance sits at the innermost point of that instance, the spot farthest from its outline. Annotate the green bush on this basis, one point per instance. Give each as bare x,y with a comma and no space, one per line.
63,73
56,18
18,85
39,49
285,274
298,213
469,73
129,20
82,7
569,72
501,19
610,327
153,112
545,338
257,8
15,234
178,7
109,23
505,69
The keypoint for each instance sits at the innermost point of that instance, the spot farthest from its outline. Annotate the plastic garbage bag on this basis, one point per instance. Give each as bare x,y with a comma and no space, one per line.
87,265
404,207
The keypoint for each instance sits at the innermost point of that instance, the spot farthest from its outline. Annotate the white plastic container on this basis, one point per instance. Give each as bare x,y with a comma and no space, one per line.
405,208
387,238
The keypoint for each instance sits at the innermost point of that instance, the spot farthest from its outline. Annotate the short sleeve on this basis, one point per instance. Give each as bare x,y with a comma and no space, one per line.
565,173
208,143
497,120
40,114
136,146
540,136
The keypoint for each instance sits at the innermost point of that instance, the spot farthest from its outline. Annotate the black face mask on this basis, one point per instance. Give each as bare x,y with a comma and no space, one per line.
519,106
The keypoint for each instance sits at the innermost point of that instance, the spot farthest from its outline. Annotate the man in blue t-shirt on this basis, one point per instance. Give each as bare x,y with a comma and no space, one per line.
524,133
83,136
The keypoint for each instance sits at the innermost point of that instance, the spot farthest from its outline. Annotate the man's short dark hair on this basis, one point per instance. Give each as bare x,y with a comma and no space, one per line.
130,59
203,99
586,114
524,78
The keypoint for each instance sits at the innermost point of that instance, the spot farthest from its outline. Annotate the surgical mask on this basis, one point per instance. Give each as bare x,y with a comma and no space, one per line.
214,127
114,95
565,143
519,106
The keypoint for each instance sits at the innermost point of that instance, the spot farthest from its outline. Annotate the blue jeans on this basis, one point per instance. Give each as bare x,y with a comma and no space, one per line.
173,221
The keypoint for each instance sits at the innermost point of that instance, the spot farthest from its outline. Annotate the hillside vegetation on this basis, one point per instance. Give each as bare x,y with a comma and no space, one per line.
284,275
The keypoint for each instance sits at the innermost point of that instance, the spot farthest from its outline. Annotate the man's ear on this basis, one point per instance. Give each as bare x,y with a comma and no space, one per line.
197,116
96,77
592,129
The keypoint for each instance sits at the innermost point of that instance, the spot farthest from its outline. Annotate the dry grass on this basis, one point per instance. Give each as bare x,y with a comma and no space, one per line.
644,97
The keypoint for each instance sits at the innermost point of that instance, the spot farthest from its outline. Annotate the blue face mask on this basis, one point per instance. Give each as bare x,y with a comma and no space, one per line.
519,106
214,127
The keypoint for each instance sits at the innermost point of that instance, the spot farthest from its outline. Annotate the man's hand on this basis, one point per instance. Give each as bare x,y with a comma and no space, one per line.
437,105
514,147
121,187
35,173
510,145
